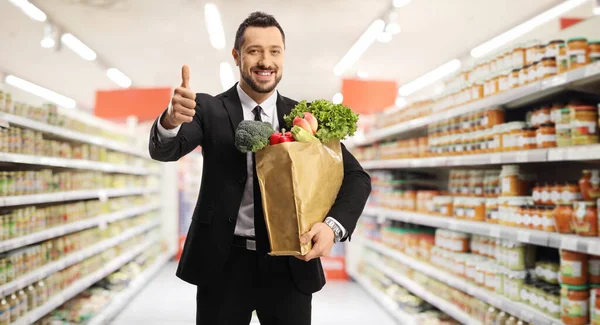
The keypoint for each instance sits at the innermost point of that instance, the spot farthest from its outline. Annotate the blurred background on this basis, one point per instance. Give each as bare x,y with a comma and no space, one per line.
468,108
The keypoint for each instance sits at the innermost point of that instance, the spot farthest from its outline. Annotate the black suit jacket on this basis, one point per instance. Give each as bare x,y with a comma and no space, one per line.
224,174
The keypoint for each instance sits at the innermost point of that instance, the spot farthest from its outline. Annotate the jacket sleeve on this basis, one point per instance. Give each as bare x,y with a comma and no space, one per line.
189,137
353,194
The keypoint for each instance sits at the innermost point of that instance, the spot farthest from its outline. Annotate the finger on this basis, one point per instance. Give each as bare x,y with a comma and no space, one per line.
185,93
183,118
178,108
185,102
306,238
315,252
185,76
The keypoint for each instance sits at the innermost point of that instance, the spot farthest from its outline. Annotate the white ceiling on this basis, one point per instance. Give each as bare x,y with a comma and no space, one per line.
149,40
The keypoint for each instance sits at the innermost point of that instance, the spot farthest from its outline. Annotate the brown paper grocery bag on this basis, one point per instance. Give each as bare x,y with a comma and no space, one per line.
299,183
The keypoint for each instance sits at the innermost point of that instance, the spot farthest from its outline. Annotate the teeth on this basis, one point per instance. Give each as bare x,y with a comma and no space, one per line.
264,73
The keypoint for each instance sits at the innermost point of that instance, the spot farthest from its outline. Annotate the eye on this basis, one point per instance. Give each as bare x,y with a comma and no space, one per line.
275,51
253,51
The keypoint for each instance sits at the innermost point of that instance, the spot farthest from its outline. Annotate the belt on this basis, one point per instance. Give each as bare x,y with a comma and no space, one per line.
244,242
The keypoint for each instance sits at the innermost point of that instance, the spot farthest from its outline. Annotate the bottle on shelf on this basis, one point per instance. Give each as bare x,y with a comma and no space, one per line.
15,312
4,312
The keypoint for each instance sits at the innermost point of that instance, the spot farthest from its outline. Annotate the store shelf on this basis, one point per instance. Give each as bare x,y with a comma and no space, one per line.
390,306
517,309
590,245
72,163
119,302
71,135
73,195
510,98
72,259
82,284
11,244
430,297
579,153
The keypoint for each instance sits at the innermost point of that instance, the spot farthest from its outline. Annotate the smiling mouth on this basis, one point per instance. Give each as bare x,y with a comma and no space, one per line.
264,74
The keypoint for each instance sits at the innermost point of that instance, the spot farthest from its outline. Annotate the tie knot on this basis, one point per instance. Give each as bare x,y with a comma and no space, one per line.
257,110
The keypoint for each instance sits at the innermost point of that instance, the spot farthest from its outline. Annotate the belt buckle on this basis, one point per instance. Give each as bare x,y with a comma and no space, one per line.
250,244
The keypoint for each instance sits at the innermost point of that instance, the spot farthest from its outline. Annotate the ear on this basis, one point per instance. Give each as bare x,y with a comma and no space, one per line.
236,57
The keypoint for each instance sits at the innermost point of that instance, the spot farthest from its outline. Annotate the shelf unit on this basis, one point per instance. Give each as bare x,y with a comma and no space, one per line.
84,283
590,245
101,194
511,98
579,153
72,259
390,306
120,301
71,135
17,158
520,310
418,290
23,241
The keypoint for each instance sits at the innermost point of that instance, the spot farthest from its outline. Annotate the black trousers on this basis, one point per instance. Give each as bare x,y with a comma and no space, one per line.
249,282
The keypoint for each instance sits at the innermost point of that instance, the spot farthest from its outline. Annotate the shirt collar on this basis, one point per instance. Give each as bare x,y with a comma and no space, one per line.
268,106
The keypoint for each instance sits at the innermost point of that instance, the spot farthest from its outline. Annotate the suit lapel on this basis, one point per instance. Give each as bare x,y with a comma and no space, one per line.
233,107
282,109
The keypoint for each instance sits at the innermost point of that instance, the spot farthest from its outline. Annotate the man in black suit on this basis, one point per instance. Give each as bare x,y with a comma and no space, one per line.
226,250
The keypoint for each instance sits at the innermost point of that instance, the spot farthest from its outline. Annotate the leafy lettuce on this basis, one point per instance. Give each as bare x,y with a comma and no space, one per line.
336,121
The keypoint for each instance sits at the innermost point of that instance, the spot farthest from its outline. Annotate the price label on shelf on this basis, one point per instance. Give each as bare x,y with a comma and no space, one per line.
495,232
555,81
523,236
522,157
568,243
103,196
592,69
496,159
593,247
380,218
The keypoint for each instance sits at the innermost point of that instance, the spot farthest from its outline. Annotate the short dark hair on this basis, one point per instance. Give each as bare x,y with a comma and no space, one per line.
256,19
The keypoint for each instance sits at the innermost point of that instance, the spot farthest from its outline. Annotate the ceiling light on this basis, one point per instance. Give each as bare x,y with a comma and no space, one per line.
50,36
30,10
361,45
118,77
384,37
78,47
227,77
401,102
393,28
214,26
338,98
429,78
47,43
524,28
401,3
597,7
40,91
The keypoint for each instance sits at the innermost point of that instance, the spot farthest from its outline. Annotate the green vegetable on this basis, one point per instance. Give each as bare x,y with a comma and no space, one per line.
251,136
336,121
301,135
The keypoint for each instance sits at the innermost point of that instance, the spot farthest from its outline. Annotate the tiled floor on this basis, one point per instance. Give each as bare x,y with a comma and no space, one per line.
170,301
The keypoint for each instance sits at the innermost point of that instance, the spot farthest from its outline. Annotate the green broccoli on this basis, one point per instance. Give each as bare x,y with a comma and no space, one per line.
251,136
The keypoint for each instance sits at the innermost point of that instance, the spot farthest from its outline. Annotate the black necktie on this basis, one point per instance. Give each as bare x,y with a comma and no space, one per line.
260,228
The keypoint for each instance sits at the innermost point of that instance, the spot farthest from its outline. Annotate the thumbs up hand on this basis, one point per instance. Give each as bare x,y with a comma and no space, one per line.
183,103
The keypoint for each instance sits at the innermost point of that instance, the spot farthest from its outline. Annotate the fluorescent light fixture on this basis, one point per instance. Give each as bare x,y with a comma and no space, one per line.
47,43
40,91
361,45
338,98
78,47
384,37
30,10
214,26
524,28
401,102
401,3
393,28
118,77
362,74
227,77
429,78
597,7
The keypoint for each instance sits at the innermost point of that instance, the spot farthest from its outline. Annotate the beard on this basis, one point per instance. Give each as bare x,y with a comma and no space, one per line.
257,87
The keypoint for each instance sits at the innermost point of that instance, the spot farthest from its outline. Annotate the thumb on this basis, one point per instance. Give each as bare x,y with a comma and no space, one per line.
307,238
185,76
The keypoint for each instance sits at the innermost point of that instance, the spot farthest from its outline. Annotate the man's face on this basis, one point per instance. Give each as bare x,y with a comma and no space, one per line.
261,58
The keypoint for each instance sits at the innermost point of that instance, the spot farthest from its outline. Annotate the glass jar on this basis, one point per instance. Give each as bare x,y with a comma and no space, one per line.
594,51
547,68
574,304
532,73
594,270
562,59
589,184
584,125
527,139
573,268
563,215
553,47
563,128
513,78
570,193
491,211
545,136
577,50
523,77
514,183
585,218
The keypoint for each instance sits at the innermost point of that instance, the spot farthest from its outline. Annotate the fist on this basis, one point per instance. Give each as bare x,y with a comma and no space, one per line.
183,103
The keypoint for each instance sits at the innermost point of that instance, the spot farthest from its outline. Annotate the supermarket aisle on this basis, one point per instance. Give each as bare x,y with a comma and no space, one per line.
170,301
